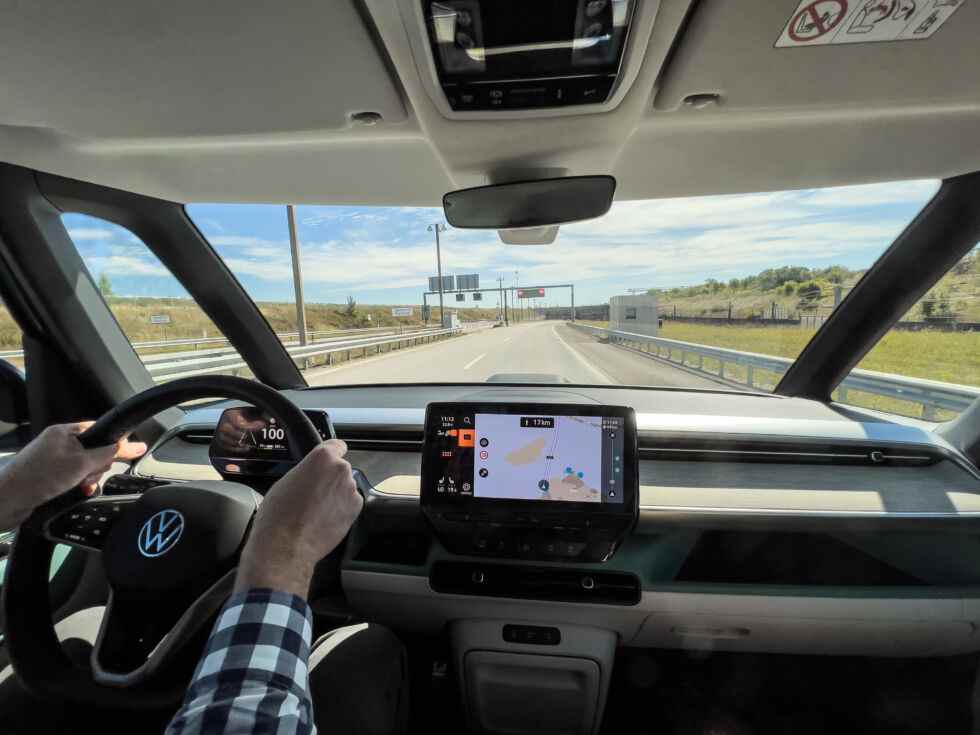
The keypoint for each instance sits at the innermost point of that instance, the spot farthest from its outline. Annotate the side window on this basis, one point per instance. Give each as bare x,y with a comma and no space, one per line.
13,408
928,365
168,330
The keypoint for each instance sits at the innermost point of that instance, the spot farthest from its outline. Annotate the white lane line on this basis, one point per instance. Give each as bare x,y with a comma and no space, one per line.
603,378
473,362
507,340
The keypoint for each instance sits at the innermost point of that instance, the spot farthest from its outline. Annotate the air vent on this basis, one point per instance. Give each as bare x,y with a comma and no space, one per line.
196,436
392,440
713,450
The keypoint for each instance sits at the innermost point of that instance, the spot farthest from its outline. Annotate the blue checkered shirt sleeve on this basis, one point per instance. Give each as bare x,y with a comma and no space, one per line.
253,678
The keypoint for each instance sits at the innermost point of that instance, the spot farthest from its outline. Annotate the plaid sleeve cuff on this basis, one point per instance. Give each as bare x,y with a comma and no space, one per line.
253,674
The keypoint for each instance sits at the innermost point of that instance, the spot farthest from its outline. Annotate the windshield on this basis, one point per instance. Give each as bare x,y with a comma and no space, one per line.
703,292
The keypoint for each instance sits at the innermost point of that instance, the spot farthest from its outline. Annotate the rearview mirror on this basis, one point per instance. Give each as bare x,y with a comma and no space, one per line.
542,203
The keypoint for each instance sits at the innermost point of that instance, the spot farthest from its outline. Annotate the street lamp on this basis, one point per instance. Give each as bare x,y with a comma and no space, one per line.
438,227
519,304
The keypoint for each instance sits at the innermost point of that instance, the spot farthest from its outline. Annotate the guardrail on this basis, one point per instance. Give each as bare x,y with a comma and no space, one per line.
186,364
734,366
285,337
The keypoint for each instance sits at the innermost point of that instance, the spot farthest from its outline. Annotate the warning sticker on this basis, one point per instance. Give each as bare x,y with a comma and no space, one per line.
825,22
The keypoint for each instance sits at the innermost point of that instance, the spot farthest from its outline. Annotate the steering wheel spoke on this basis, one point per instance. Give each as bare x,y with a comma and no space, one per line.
140,637
87,524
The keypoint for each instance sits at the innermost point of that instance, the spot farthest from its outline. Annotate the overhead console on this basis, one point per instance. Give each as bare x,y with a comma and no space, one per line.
530,481
515,55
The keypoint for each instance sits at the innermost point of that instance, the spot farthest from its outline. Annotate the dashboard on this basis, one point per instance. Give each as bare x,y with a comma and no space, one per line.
742,522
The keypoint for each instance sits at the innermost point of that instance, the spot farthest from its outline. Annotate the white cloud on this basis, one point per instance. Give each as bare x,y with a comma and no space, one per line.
239,241
125,266
639,243
82,234
900,192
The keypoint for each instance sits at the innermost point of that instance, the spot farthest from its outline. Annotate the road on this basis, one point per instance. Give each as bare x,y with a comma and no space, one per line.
548,347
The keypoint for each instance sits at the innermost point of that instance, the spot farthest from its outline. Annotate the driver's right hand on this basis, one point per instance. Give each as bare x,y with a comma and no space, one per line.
304,516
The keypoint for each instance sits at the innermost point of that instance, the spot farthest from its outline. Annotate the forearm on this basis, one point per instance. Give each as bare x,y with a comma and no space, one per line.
253,676
15,505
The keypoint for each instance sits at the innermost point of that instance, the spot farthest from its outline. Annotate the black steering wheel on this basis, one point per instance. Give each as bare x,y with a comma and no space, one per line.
169,557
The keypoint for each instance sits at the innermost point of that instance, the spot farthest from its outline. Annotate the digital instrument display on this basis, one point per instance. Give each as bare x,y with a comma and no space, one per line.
248,441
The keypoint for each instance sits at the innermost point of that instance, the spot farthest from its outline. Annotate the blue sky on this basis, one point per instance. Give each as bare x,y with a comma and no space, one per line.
385,255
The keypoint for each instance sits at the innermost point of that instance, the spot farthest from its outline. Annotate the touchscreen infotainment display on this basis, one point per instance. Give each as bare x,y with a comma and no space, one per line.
535,456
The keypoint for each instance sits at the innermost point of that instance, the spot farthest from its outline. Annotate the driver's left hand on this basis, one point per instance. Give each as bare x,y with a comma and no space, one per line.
52,464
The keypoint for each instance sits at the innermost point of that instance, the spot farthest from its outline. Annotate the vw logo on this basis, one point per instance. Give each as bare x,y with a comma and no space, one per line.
160,533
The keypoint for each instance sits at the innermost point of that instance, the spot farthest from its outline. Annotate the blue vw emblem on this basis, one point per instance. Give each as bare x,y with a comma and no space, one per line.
160,533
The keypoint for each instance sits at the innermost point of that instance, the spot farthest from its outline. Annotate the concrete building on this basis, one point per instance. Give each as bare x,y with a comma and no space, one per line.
636,313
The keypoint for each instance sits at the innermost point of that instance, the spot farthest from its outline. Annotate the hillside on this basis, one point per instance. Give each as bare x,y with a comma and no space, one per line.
799,290
188,321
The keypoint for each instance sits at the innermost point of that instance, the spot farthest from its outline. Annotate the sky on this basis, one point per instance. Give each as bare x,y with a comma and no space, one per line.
384,255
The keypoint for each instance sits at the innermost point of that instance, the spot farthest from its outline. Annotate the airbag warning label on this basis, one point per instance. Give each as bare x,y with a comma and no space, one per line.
831,22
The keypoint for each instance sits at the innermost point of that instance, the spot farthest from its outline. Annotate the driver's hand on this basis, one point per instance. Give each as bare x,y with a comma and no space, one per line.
303,518
53,463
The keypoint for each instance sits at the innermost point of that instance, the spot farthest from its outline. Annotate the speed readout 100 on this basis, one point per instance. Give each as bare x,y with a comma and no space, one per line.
273,433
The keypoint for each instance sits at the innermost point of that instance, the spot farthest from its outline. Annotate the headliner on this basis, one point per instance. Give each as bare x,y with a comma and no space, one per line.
214,102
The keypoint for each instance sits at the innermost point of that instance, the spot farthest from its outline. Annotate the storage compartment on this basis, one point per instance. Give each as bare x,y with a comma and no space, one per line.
807,635
518,693
512,684
810,559
535,583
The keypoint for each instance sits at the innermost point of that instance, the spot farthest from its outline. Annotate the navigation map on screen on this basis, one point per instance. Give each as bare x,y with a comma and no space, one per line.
564,458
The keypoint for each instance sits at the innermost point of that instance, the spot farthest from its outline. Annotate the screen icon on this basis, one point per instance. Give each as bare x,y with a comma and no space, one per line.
484,442
484,454
484,472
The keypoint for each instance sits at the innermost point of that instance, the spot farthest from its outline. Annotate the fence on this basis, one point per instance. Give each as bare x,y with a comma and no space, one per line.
814,321
287,338
733,366
186,364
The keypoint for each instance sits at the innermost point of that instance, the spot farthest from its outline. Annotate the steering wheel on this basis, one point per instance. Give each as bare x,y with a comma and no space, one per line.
169,557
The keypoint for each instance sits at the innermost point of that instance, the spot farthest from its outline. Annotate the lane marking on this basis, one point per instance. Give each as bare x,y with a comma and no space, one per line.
473,362
507,340
603,378
326,370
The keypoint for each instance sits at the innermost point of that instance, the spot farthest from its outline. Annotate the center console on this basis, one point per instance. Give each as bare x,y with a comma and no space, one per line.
550,482
541,483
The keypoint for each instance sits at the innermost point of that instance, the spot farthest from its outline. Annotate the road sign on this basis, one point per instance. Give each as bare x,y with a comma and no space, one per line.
401,311
159,318
530,293
447,283
468,282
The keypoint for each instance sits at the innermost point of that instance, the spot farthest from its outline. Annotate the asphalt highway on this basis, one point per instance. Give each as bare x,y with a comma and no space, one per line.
518,353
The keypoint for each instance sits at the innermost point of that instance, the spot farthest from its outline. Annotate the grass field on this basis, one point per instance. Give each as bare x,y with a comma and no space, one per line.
188,321
956,294
949,357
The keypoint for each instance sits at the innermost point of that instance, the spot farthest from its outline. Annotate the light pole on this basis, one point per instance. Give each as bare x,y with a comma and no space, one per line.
517,295
438,227
297,275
